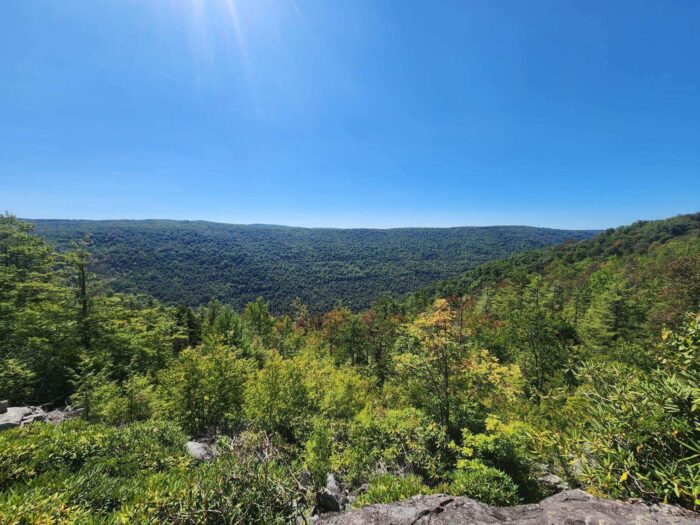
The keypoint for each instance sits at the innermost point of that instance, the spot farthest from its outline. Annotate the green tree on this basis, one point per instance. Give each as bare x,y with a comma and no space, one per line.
258,321
203,389
430,356
276,399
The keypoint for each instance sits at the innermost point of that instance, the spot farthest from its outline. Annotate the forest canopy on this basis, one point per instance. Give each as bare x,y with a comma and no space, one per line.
193,262
578,360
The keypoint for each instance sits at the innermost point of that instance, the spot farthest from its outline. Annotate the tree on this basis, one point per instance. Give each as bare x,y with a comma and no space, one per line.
38,333
225,325
334,323
203,388
276,399
189,327
381,327
611,315
258,320
539,336
430,355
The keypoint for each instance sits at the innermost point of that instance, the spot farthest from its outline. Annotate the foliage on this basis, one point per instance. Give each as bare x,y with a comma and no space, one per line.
226,491
640,433
387,488
204,388
318,453
276,399
582,358
116,404
399,442
17,380
194,262
89,473
480,482
79,446
334,392
505,447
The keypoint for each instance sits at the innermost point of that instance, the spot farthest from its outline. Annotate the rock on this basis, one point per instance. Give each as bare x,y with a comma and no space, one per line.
200,451
572,507
3,406
331,498
13,417
552,483
327,502
58,416
33,418
21,416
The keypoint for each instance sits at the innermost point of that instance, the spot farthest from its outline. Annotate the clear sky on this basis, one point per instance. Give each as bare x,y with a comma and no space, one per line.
351,113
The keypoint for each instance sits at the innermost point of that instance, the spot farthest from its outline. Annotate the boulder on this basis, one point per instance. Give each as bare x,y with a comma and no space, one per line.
572,507
200,451
13,417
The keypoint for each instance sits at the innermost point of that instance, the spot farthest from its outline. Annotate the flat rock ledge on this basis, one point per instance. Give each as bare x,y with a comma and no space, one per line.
572,507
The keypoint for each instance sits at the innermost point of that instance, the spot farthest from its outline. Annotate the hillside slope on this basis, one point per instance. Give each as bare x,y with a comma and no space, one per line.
637,239
194,262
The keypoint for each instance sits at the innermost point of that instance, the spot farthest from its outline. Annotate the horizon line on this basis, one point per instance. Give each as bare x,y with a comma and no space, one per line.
291,226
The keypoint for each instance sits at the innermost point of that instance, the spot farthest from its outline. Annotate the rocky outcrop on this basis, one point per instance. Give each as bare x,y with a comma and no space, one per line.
572,507
20,416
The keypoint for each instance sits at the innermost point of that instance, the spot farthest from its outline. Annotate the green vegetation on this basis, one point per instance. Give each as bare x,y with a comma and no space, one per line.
386,488
195,262
80,472
581,359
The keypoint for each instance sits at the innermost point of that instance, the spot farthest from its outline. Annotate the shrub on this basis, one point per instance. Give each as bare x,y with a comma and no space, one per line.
386,488
400,442
276,399
229,490
318,453
30,451
486,484
638,435
203,389
43,506
334,392
117,404
503,447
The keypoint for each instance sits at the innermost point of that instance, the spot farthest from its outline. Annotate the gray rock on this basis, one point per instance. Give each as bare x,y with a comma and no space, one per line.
331,498
200,451
13,417
21,416
552,483
59,415
33,418
327,502
573,507
3,406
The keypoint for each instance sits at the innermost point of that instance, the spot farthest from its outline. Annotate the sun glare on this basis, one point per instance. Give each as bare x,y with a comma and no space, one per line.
222,29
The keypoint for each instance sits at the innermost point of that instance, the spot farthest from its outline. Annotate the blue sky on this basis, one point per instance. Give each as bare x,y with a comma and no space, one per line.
355,113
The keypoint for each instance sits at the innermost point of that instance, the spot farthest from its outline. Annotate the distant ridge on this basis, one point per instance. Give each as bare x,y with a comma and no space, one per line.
194,262
633,239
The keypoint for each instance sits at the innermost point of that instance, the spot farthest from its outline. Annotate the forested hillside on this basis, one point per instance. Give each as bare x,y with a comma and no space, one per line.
194,262
581,361
570,259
